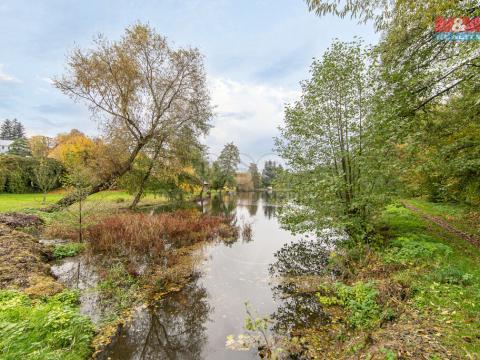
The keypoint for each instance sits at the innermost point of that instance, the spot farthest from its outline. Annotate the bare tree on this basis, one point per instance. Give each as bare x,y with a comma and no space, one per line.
139,87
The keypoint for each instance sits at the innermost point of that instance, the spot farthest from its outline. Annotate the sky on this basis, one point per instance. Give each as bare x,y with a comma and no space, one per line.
256,53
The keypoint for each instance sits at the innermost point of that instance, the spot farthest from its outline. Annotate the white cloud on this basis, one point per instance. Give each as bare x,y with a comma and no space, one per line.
247,114
48,80
4,77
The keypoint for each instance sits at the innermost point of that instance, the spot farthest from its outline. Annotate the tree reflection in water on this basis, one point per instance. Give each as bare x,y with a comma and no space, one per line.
297,266
173,329
223,205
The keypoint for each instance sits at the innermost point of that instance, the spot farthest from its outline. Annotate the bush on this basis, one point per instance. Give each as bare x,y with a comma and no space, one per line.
17,173
412,249
51,328
133,234
359,300
61,251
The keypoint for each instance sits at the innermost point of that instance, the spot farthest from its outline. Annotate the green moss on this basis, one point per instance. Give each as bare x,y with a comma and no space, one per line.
49,328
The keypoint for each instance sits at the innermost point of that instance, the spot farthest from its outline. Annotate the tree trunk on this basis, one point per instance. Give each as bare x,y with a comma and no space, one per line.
104,185
139,194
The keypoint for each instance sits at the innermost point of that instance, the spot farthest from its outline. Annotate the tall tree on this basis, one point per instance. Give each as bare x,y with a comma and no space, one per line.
253,170
228,162
18,130
138,87
6,130
270,172
323,143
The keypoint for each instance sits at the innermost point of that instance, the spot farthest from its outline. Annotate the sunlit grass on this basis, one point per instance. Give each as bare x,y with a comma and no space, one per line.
19,202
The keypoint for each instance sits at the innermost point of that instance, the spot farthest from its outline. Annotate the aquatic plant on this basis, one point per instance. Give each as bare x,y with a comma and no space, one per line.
130,234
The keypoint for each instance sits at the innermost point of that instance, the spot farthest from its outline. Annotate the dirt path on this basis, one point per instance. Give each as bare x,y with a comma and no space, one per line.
444,224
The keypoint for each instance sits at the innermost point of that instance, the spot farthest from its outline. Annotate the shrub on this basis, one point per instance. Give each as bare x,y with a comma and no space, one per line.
51,328
61,251
130,234
412,249
359,300
17,173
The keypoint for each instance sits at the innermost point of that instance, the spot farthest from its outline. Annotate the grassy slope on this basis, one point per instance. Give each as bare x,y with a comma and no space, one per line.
19,202
463,217
453,307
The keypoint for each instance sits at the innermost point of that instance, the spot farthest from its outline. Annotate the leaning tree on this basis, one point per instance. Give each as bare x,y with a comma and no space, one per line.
138,87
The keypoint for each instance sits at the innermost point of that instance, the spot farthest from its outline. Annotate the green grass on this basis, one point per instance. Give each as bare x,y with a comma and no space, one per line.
22,202
442,271
43,329
464,217
17,202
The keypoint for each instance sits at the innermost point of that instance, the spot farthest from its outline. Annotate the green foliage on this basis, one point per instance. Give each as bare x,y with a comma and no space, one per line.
223,170
50,328
11,130
61,251
18,173
451,275
333,173
20,147
253,170
389,354
270,172
359,300
414,249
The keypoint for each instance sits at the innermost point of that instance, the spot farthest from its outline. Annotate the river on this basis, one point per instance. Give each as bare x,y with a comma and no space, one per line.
194,323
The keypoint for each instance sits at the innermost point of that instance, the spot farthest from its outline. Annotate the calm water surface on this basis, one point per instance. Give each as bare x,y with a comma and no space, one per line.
194,323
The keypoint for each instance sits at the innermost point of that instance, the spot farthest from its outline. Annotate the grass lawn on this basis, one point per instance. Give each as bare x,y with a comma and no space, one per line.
20,202
446,286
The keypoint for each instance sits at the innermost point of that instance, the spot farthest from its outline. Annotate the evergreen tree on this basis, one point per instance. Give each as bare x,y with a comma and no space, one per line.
12,130
6,130
20,147
228,161
18,130
270,172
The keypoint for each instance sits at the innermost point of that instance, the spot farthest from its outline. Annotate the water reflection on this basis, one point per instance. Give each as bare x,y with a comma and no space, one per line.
194,323
173,329
81,273
299,267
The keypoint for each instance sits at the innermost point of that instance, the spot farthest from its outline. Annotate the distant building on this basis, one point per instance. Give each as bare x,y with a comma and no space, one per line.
5,146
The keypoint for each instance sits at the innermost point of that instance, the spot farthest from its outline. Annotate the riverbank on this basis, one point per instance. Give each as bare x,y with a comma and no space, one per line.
159,260
411,293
